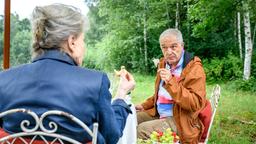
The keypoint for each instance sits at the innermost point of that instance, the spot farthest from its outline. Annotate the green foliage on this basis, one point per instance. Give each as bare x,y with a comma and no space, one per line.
20,40
90,60
123,41
20,48
1,23
248,85
96,28
212,16
208,29
116,34
214,45
213,28
24,24
144,87
223,69
14,25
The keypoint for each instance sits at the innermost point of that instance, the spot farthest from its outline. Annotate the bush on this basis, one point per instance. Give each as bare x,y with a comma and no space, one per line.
228,68
94,58
89,60
248,85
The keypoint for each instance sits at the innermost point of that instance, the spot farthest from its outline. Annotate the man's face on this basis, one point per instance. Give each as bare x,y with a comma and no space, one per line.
171,49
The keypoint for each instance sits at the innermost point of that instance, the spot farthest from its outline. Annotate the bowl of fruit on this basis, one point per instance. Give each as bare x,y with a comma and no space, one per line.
161,137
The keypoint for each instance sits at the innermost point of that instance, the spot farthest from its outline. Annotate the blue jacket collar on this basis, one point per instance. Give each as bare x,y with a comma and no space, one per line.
55,54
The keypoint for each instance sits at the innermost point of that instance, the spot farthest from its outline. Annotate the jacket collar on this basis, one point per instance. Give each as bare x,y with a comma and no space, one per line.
55,54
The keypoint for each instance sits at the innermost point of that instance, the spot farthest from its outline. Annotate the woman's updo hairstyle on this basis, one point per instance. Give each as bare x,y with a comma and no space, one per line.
53,24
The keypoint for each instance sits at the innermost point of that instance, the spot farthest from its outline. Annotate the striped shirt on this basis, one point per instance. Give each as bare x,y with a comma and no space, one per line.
165,101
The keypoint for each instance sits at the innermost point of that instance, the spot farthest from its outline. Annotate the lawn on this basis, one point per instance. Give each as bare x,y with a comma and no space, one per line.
235,120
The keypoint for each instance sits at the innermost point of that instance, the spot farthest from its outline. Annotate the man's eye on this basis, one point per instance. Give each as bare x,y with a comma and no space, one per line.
174,46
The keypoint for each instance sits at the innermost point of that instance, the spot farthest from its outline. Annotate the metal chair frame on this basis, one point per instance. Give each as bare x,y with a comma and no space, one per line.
214,100
40,131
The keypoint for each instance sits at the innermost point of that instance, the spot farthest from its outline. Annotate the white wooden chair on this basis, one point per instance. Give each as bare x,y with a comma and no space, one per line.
39,132
214,100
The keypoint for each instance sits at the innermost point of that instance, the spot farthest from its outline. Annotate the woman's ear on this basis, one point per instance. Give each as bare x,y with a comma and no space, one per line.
71,43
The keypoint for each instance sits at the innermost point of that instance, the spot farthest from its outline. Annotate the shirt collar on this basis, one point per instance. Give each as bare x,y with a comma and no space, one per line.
55,54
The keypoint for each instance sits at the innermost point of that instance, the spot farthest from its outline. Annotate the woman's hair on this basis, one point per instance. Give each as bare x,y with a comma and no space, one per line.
53,24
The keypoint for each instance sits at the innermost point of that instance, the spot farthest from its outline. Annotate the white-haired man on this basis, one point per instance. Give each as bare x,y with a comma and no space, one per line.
180,91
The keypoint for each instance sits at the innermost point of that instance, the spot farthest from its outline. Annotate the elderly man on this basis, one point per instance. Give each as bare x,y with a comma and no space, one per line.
179,93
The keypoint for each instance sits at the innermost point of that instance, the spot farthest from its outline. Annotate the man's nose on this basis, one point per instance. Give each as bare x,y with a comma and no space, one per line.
169,50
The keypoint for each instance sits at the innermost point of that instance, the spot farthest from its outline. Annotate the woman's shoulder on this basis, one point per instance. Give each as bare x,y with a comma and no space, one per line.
11,71
92,71
94,74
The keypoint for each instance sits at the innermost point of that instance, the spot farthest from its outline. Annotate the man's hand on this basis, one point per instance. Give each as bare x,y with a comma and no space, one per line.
165,74
139,107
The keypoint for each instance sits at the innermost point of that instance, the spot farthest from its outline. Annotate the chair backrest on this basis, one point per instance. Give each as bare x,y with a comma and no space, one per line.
214,100
41,133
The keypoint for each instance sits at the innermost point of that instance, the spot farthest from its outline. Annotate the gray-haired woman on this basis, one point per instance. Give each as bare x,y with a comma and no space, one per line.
54,80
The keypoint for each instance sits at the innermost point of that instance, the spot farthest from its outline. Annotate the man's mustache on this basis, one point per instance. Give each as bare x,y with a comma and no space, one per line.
171,54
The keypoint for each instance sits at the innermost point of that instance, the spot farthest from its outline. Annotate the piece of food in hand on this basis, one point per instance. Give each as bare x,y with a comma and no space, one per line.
156,61
118,73
122,71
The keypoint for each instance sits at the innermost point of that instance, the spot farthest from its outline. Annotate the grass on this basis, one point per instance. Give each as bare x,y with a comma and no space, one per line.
235,120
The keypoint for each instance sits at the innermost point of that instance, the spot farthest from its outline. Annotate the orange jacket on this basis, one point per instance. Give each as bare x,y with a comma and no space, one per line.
189,96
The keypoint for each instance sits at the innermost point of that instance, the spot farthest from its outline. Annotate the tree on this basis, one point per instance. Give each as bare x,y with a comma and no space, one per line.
132,31
213,27
177,19
20,40
239,35
145,35
248,43
129,34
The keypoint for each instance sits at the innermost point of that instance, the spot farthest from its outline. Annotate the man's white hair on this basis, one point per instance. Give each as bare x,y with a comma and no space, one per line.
172,32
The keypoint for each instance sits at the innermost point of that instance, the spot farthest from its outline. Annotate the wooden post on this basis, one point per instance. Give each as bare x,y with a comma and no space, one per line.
7,13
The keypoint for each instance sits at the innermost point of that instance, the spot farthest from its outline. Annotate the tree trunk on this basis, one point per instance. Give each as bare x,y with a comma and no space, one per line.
248,46
145,37
167,14
239,34
253,36
177,15
188,25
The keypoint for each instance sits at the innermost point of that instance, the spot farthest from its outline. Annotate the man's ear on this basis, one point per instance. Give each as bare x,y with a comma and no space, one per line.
71,43
182,44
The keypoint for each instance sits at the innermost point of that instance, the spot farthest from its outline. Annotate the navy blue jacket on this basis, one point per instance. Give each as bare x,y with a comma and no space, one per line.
54,82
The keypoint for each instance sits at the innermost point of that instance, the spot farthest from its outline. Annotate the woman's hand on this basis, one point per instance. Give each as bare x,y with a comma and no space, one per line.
126,84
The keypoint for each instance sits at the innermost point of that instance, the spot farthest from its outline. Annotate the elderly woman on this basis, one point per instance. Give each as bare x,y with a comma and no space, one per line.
55,81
